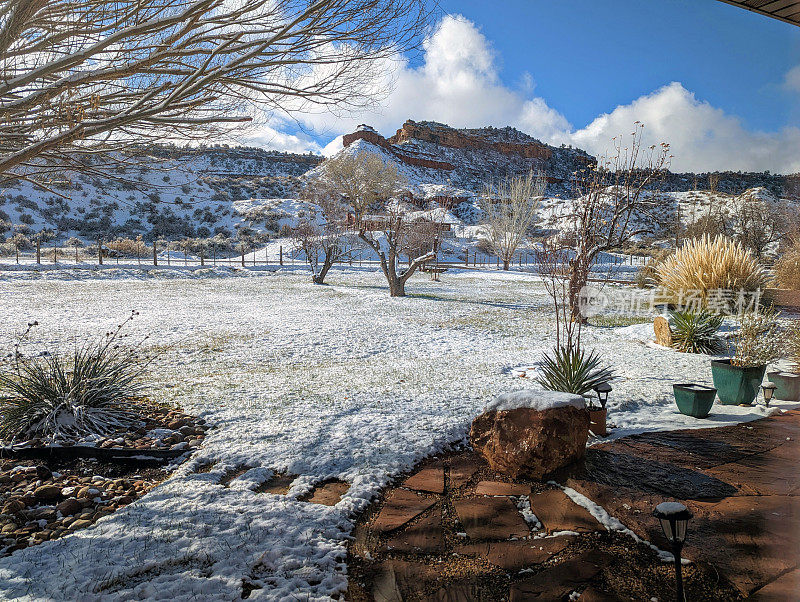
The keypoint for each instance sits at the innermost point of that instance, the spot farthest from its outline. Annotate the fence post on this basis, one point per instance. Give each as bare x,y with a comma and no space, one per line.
55,254
242,255
466,257
155,252
280,250
99,251
38,250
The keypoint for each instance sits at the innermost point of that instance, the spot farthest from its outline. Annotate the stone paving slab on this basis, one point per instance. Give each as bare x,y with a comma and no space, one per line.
786,587
557,582
401,507
559,513
513,556
491,518
328,494
500,488
424,537
751,534
430,480
464,468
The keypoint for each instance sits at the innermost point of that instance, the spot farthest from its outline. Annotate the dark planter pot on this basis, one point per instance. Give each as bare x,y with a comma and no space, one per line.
694,400
736,385
788,385
597,422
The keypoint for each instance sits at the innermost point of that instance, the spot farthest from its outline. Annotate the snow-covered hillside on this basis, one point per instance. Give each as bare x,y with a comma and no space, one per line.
170,193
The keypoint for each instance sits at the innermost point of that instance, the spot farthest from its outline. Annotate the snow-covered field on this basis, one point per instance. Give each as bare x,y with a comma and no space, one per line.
337,381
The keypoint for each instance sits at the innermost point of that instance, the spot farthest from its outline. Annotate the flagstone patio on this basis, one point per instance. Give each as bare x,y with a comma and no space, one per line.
455,530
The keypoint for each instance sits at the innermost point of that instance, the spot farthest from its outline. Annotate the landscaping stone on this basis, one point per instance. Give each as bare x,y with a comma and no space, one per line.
328,494
47,493
784,588
277,485
424,537
490,518
531,442
400,508
557,582
500,488
429,480
398,580
558,512
513,556
663,332
462,469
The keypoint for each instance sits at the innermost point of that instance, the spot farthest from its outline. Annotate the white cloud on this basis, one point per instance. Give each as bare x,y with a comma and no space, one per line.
792,81
701,137
271,137
458,84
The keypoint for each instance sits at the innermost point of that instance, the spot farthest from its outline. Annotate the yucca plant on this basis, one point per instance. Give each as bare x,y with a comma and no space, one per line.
696,332
710,264
571,370
65,395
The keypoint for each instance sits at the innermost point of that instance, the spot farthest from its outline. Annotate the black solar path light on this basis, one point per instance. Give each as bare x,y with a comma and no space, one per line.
674,518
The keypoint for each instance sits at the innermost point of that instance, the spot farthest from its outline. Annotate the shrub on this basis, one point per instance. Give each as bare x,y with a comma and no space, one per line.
696,332
59,396
710,264
570,370
759,339
787,268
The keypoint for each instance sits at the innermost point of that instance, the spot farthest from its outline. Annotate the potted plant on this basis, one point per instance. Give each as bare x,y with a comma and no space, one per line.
693,399
788,383
758,342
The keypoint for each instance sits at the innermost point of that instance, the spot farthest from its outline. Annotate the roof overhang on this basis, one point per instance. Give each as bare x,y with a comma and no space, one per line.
787,11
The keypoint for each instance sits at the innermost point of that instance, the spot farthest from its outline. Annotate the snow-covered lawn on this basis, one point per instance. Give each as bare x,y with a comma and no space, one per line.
337,381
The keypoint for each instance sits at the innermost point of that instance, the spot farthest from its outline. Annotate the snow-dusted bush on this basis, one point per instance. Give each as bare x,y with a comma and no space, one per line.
760,339
709,264
58,395
787,268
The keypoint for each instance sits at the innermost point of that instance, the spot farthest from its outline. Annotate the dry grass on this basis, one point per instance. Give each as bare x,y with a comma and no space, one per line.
707,264
787,268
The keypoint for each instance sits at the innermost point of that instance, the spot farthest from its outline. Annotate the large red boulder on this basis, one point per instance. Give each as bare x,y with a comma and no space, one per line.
531,433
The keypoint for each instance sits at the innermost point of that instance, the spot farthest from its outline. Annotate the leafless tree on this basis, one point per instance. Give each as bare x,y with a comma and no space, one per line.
611,205
363,179
368,183
80,78
323,244
761,224
553,266
509,209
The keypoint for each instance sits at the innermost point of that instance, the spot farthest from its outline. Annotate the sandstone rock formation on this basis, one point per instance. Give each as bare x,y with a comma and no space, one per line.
531,433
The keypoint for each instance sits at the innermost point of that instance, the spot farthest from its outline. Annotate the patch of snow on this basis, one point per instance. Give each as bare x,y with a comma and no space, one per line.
535,400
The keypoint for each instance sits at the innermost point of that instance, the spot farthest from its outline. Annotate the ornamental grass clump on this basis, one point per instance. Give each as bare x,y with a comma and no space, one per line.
570,370
696,332
63,396
787,268
708,264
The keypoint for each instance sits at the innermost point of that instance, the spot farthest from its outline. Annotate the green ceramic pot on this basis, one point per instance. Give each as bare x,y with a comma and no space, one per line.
788,385
694,400
736,385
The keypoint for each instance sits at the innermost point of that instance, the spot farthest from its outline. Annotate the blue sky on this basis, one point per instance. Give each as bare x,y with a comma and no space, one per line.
619,50
720,84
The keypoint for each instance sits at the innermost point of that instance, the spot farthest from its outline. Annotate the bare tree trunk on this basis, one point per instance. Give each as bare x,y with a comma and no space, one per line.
326,265
506,263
